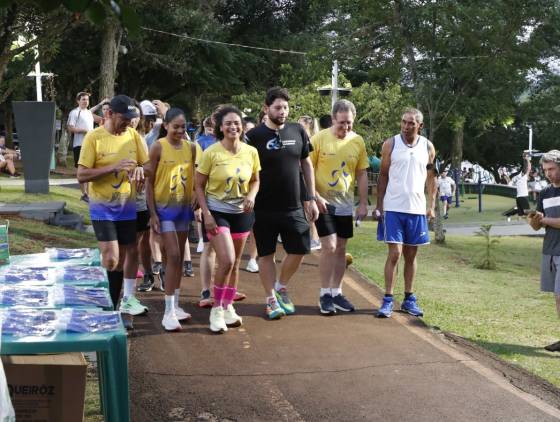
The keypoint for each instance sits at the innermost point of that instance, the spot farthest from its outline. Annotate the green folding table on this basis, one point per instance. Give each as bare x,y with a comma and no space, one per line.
112,362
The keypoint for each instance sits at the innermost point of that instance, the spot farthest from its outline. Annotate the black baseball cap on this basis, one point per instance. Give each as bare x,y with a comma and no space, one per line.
123,105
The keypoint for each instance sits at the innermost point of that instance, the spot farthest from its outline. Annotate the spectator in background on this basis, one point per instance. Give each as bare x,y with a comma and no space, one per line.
446,187
7,158
80,122
521,185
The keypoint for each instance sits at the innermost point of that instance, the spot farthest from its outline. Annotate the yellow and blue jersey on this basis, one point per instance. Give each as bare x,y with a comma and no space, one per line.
173,182
112,197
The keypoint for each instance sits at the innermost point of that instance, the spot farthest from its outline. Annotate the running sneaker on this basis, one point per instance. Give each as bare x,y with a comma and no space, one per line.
84,198
284,301
342,304
239,296
252,266
315,245
170,322
187,269
217,321
205,300
554,347
147,283
156,267
181,314
274,311
132,306
231,318
409,305
200,246
326,305
386,308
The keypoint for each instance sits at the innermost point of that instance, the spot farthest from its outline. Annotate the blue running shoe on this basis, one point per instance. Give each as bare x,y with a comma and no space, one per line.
342,304
410,306
284,301
326,305
274,311
386,308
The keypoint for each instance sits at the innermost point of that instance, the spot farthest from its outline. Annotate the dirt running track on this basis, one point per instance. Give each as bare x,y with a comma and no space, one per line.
308,367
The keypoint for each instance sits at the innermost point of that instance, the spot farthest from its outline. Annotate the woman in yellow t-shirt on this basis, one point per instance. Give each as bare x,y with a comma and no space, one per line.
226,184
169,194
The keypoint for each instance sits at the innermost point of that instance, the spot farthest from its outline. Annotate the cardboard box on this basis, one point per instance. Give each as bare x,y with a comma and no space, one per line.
47,388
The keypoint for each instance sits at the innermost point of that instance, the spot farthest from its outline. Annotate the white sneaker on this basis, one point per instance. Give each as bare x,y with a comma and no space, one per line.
181,314
252,266
231,318
217,322
315,245
170,322
200,246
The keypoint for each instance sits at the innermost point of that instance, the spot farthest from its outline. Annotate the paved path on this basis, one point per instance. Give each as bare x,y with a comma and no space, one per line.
498,229
308,367
52,182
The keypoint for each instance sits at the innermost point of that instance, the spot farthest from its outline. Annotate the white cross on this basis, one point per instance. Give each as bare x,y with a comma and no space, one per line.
37,74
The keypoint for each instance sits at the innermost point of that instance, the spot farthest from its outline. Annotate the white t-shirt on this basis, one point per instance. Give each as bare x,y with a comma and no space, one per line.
445,186
80,119
520,183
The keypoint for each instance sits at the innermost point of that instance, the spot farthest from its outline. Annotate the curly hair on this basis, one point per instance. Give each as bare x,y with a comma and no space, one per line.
219,118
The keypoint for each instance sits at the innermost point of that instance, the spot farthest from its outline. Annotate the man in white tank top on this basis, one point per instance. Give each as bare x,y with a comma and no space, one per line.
407,166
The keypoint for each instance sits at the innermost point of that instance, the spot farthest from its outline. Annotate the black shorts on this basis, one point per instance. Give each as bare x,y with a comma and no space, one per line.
239,225
522,203
76,151
341,225
122,231
292,226
142,221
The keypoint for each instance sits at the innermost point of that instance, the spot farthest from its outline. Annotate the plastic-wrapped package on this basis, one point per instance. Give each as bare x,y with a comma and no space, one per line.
89,321
65,253
81,273
67,295
29,322
30,275
30,296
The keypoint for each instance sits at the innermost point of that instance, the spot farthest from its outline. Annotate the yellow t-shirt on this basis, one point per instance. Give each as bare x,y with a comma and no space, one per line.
335,162
228,175
173,183
112,196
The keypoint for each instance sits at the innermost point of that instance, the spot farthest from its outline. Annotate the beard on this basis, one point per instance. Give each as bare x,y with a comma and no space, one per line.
277,121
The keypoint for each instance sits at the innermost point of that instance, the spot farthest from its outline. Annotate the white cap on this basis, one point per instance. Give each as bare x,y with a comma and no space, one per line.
148,109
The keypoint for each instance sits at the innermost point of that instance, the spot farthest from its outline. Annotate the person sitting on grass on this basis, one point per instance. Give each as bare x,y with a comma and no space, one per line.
547,215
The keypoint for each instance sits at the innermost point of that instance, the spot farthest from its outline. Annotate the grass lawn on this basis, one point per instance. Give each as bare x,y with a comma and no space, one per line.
502,310
16,194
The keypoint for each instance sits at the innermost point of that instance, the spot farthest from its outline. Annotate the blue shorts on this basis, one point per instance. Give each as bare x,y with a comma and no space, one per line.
403,228
173,226
445,198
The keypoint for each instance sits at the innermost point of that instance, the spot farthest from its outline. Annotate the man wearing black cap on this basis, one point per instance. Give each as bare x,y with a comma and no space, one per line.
111,162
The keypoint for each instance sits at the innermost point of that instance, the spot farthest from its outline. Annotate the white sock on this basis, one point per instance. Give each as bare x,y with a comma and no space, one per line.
336,291
271,299
129,285
326,291
279,286
176,296
169,303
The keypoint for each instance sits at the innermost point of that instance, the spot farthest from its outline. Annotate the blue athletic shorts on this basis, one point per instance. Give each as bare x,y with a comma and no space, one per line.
445,198
403,228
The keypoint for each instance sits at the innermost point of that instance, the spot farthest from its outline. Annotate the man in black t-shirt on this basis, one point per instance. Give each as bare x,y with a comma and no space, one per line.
283,150
547,215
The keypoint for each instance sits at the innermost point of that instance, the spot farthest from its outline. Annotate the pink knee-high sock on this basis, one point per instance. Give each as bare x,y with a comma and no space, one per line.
228,296
219,294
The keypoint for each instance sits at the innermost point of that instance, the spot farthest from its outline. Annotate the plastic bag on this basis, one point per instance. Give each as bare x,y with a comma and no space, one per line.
30,296
25,275
64,253
82,296
7,413
81,273
89,321
29,322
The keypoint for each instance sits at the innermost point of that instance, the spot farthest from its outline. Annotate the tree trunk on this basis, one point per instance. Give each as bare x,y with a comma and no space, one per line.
111,42
439,232
457,143
9,123
63,143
